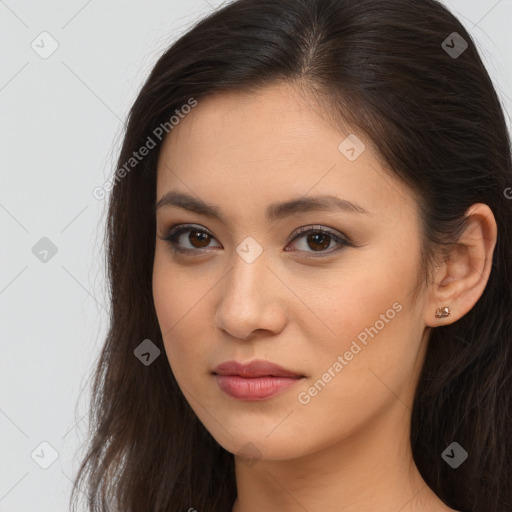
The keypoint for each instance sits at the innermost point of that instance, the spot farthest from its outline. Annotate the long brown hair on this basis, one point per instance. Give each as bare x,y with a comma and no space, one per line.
387,67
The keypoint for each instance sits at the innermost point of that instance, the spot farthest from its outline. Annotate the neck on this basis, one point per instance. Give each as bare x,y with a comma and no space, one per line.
372,469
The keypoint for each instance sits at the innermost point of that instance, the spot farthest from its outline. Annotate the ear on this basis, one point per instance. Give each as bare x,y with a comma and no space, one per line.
460,279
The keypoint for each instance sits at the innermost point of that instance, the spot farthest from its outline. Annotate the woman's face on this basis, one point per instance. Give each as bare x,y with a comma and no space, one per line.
343,315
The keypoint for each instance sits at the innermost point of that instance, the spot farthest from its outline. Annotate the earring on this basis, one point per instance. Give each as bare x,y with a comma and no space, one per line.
443,312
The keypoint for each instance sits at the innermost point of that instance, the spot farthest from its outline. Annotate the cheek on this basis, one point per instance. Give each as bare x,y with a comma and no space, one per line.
384,278
368,319
180,305
165,293
174,292
348,300
366,368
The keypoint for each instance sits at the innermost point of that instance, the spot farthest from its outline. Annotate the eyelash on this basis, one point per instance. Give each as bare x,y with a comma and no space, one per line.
177,230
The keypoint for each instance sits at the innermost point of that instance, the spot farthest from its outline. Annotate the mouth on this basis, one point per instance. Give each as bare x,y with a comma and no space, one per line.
254,369
254,388
257,380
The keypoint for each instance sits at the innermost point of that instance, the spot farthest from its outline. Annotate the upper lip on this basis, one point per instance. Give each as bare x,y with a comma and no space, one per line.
257,368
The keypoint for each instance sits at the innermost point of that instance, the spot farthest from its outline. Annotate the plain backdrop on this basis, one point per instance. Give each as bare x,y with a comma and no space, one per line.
69,72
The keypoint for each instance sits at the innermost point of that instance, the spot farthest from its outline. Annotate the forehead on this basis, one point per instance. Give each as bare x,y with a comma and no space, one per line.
271,145
275,118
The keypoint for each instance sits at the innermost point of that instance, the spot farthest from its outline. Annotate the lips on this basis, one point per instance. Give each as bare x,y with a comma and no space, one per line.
257,380
257,368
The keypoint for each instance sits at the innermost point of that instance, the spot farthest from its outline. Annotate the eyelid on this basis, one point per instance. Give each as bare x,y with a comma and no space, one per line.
316,228
178,229
340,238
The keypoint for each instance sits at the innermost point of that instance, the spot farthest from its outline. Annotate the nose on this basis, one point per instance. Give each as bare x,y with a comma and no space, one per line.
252,299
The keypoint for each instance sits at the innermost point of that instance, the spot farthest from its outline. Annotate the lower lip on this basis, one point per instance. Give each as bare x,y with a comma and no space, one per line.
254,388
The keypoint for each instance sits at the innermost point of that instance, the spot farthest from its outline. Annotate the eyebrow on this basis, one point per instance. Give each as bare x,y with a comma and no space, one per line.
275,211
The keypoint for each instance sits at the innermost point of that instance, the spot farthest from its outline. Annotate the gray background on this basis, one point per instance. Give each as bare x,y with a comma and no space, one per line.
61,121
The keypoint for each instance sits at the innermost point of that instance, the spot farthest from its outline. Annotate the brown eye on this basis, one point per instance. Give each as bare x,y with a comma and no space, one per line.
202,239
196,240
318,240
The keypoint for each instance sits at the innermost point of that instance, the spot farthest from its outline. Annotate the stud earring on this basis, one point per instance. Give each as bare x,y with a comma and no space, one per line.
443,312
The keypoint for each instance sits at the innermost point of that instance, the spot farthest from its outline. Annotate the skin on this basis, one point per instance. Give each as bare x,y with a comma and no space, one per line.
348,448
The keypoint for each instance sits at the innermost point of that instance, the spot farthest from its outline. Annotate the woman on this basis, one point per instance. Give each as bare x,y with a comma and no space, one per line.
310,259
